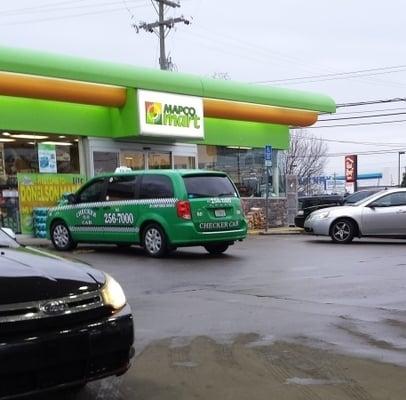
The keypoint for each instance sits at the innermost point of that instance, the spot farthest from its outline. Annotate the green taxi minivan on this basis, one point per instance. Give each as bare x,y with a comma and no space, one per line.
157,209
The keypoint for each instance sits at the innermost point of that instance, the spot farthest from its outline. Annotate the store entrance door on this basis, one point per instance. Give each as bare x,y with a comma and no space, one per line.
132,159
137,160
159,160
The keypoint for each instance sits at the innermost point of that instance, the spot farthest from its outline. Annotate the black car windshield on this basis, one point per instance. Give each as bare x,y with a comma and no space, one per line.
6,240
209,186
359,196
365,199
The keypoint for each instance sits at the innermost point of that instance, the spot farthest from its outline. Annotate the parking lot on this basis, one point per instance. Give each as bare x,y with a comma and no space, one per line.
292,316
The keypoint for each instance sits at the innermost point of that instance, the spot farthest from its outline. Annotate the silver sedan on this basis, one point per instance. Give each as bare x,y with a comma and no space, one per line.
382,214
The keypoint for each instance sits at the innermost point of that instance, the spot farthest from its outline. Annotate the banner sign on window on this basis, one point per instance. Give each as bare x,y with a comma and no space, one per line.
47,158
170,115
39,190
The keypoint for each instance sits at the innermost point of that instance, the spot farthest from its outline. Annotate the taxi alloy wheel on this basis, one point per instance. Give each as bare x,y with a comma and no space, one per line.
154,241
342,231
61,237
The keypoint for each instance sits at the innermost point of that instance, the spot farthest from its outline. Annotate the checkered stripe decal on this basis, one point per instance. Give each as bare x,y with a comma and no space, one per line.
168,201
106,229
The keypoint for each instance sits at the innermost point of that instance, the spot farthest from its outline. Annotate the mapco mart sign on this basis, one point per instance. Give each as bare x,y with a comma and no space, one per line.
170,115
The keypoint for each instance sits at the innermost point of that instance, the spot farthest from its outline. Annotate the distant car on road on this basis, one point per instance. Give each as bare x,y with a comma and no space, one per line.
312,203
380,215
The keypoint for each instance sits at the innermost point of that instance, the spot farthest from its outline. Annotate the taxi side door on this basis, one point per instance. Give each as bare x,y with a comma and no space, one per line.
120,210
85,219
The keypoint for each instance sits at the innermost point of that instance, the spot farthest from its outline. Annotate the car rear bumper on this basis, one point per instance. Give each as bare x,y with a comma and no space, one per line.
60,358
186,234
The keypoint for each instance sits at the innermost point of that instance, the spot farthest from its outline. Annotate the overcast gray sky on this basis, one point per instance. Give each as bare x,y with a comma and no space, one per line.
251,41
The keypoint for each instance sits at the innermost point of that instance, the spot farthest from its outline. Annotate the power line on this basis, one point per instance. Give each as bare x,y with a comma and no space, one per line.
348,141
72,7
360,153
358,124
274,54
219,36
55,18
215,45
362,117
39,6
340,75
368,153
371,111
369,102
391,150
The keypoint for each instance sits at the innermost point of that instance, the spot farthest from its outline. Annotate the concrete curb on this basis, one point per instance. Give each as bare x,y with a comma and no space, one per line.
27,240
278,231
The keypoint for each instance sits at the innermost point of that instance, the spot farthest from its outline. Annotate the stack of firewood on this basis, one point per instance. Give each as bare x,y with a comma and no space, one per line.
256,218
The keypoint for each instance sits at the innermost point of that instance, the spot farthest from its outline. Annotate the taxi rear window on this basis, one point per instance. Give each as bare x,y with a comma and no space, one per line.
209,186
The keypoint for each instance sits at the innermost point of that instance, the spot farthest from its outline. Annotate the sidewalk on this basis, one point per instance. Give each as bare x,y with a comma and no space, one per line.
28,240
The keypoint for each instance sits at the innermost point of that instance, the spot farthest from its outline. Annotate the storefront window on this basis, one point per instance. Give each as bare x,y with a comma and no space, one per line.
31,153
104,161
184,162
157,160
245,166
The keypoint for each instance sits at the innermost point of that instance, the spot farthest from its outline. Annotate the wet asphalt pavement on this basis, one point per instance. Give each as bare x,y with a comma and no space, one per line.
346,299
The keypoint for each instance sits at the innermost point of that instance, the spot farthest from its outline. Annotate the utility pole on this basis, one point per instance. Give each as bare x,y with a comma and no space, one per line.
399,170
161,28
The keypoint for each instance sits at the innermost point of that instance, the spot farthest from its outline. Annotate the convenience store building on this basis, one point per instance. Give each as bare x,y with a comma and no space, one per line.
63,119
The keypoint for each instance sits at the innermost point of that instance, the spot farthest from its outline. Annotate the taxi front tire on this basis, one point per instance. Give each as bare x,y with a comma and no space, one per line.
154,241
61,237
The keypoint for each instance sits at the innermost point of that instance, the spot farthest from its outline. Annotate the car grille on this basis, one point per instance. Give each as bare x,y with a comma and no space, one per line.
49,314
50,308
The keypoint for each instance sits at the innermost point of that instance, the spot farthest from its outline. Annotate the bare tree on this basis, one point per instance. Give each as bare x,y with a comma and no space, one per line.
305,158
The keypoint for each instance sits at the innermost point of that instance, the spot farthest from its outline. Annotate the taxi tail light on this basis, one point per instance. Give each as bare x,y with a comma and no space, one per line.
183,209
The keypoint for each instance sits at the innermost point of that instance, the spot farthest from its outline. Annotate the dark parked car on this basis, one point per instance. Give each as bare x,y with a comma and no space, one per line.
312,203
359,195
62,324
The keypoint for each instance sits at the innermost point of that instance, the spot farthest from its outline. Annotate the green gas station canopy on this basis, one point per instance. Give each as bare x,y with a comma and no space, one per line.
58,117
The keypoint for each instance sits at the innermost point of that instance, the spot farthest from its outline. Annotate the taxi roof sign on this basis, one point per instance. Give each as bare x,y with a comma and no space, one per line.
120,170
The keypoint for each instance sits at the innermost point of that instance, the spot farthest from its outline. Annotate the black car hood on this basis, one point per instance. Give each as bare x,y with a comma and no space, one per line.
30,275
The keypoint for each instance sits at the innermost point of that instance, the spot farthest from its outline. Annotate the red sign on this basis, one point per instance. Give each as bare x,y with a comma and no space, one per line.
351,168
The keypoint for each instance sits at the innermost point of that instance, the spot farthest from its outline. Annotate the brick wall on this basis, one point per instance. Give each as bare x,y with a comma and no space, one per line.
277,209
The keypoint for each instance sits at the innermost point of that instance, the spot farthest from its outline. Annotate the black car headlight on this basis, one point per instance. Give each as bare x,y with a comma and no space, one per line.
112,294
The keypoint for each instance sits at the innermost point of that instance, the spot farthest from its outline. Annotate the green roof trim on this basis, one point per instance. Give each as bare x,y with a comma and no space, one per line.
67,67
